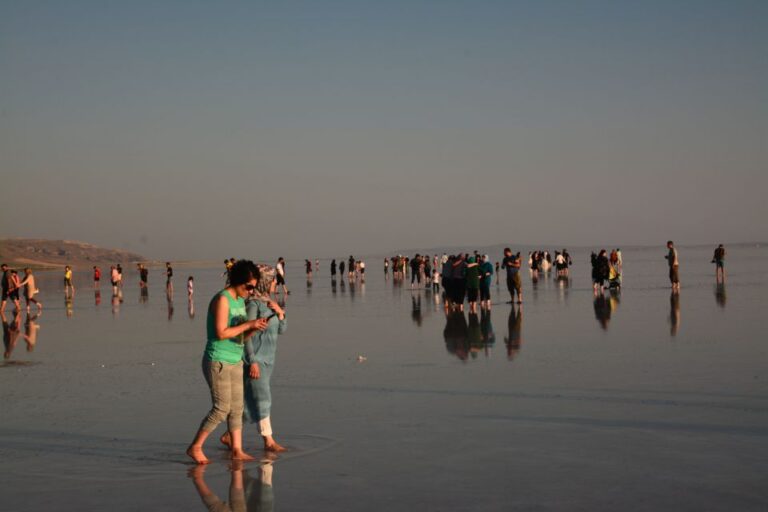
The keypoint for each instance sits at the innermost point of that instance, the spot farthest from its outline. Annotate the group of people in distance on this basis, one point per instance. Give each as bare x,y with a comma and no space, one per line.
541,261
243,324
606,268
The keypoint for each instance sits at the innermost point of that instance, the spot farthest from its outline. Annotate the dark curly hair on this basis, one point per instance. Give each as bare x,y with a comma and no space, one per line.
242,272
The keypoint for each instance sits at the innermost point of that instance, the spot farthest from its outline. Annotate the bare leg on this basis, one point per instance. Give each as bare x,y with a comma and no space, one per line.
195,450
236,437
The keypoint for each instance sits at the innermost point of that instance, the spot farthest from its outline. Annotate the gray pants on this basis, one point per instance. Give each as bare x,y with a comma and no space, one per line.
226,383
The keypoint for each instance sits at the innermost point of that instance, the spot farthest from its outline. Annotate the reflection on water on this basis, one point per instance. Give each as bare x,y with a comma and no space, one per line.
68,306
720,294
191,307
97,296
169,299
12,331
30,331
466,339
455,334
605,306
674,313
416,315
514,339
143,295
247,492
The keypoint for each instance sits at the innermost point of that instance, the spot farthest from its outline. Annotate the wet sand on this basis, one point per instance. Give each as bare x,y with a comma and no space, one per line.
639,401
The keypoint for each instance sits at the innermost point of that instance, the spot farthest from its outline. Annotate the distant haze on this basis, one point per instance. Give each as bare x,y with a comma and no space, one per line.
195,130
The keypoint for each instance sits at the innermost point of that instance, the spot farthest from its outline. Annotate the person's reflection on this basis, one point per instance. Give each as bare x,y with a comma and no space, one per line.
455,334
486,327
68,306
602,305
343,286
170,307
514,339
117,298
246,493
720,294
563,283
333,286
97,296
30,331
11,331
143,294
474,335
416,315
674,313
258,491
191,307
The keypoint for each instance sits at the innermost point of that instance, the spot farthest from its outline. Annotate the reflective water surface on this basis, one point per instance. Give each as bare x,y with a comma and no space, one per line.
639,399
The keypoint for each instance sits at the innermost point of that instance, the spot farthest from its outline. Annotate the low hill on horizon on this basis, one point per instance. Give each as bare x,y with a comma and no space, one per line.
42,253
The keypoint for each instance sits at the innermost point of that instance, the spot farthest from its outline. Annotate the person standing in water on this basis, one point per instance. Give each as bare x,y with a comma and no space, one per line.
511,264
674,266
333,268
719,260
486,275
96,276
69,287
259,358
227,325
280,275
168,279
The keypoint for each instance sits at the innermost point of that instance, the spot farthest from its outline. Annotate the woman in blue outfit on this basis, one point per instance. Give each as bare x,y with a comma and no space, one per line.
259,356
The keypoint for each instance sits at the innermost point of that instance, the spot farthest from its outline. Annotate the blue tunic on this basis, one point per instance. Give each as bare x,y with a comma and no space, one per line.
261,348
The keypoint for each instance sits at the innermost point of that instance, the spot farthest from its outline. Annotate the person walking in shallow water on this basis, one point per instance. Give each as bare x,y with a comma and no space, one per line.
30,289
227,325
259,358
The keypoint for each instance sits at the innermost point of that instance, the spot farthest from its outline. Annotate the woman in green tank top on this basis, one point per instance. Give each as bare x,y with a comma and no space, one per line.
227,327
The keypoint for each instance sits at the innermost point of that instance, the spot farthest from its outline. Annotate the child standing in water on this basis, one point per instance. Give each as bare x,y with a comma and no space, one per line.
69,287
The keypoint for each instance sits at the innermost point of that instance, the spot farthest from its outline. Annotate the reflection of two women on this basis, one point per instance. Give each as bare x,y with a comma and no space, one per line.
246,493
514,339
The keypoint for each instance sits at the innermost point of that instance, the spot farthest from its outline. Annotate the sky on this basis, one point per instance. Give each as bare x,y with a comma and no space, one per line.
203,130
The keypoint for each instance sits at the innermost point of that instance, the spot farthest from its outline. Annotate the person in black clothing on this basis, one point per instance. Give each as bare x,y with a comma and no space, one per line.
600,270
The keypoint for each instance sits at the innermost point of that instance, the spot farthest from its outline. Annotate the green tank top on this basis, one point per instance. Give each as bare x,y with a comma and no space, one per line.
227,350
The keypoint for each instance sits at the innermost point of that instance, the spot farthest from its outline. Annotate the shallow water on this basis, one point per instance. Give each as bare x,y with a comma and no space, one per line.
638,401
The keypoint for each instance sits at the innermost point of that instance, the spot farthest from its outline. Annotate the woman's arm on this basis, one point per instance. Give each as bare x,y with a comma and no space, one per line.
221,317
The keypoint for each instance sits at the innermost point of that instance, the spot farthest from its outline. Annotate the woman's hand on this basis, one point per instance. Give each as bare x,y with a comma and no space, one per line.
274,306
260,324
253,371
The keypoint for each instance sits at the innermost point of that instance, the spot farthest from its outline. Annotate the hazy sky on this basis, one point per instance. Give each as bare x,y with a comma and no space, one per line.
187,130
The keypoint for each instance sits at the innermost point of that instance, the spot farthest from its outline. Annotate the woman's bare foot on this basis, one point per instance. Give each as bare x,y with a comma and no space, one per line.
196,453
225,439
271,446
241,455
